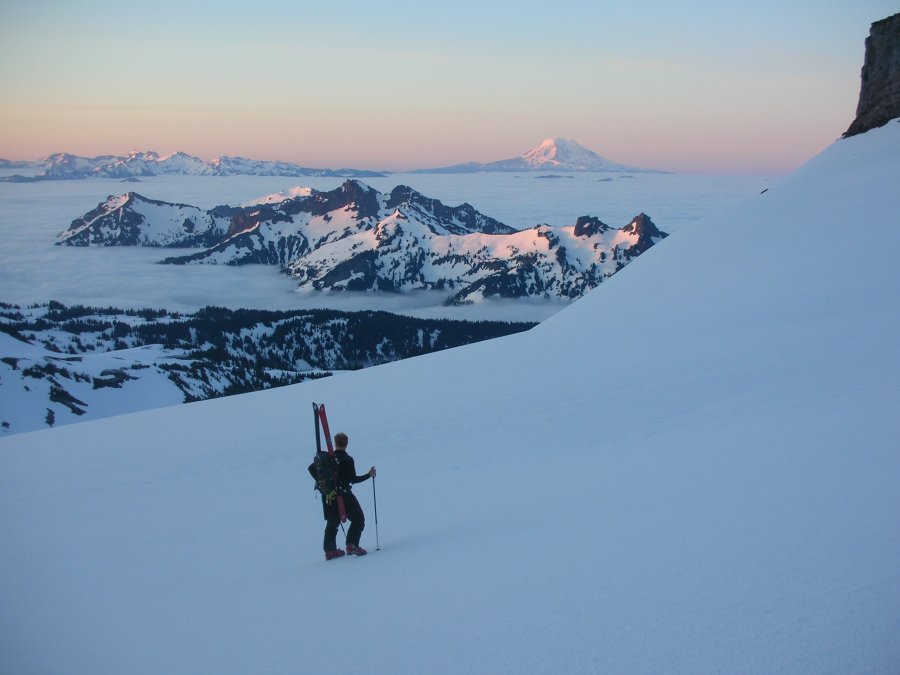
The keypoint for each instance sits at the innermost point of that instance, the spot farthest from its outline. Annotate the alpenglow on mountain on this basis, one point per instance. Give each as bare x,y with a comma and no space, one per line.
355,238
64,166
552,154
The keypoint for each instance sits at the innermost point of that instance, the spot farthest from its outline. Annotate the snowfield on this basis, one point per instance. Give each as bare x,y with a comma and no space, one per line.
690,470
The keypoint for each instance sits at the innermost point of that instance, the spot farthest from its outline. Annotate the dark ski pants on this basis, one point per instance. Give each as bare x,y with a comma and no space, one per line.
333,521
356,517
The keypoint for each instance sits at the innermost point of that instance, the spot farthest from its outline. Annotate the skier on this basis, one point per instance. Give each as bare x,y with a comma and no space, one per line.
346,478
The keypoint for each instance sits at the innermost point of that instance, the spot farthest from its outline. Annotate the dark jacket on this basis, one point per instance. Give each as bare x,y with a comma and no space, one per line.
347,470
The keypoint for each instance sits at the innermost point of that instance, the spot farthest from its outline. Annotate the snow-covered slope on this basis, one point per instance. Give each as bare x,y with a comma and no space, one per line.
553,154
283,195
133,220
37,385
65,166
690,470
405,254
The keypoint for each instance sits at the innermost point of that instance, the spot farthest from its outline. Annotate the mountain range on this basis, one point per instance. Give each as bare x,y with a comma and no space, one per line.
65,166
552,154
355,238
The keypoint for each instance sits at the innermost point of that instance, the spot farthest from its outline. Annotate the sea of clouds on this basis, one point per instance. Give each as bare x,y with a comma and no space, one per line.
34,270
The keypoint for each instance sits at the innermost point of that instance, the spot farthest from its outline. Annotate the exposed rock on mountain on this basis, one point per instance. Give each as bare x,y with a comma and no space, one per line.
134,220
462,219
355,238
879,95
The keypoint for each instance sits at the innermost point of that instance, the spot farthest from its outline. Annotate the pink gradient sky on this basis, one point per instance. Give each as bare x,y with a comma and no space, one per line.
701,87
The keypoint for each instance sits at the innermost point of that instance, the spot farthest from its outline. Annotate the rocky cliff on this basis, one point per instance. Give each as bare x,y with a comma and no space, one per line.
879,94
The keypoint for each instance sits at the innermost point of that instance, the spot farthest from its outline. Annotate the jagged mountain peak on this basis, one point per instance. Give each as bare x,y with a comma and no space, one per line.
588,226
462,219
146,155
356,238
58,157
356,184
402,193
132,197
645,232
406,195
357,189
352,193
132,219
114,202
642,224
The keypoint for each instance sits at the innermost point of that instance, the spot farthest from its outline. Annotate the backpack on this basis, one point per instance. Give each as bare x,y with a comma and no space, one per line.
326,467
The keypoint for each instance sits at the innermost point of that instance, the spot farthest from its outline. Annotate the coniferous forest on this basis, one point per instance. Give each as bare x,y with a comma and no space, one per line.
217,351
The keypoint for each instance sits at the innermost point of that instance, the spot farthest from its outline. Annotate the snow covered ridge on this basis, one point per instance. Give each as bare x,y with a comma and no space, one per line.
355,238
63,364
63,166
558,154
134,220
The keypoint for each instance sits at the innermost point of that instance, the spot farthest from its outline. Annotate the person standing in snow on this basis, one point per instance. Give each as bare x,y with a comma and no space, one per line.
346,478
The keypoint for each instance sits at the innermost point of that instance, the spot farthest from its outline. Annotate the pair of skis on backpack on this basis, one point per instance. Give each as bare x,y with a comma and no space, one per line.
327,481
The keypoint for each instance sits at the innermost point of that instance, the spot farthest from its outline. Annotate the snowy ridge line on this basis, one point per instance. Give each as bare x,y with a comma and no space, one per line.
132,219
64,166
355,238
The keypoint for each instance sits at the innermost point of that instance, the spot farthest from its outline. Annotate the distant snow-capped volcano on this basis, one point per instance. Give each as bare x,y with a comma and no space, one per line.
557,154
564,153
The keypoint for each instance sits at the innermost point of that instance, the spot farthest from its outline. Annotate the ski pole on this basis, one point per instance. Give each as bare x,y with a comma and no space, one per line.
375,502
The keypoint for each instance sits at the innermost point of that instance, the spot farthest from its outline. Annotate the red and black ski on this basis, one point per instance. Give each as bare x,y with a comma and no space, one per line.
322,419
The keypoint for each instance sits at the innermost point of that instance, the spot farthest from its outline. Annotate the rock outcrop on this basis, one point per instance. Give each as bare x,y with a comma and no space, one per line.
879,94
